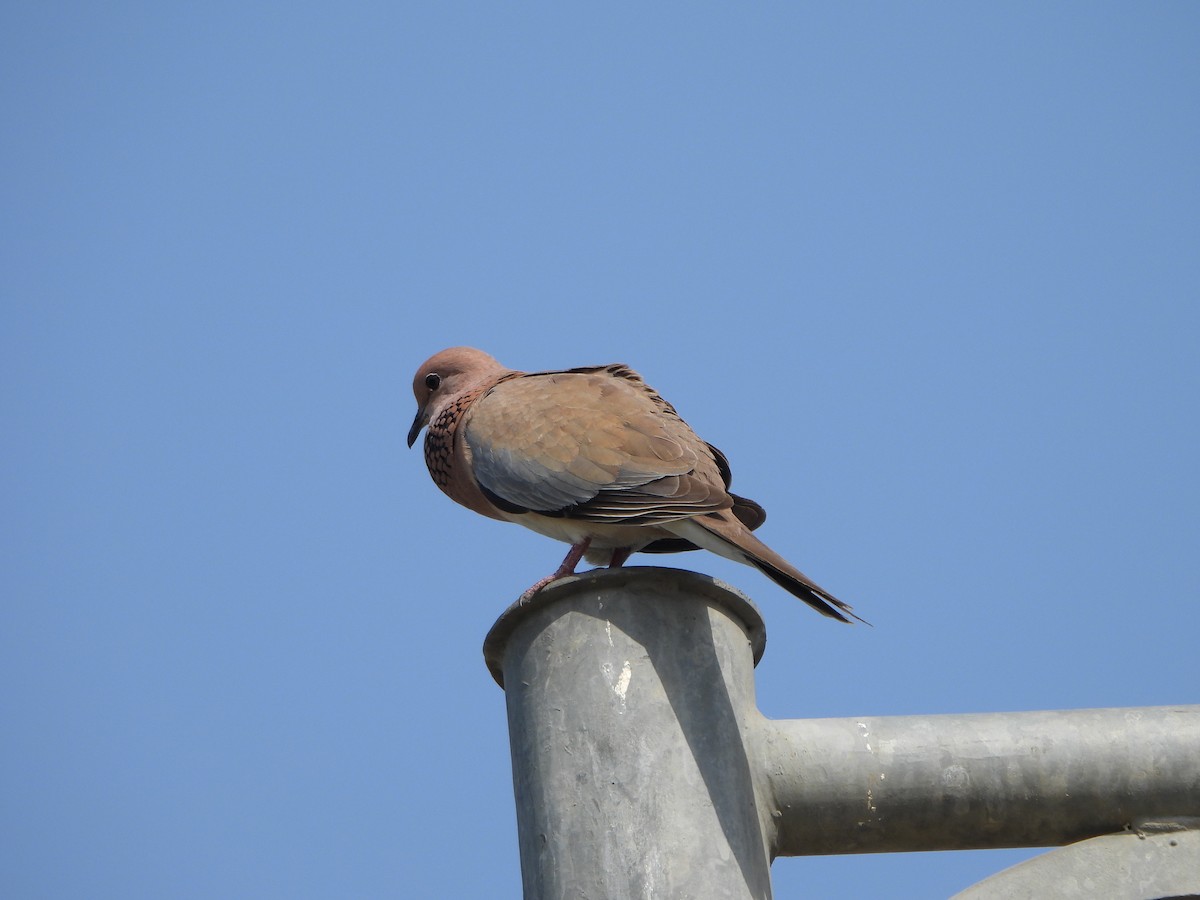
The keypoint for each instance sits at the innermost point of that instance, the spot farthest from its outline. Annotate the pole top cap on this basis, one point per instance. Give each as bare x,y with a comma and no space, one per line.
659,583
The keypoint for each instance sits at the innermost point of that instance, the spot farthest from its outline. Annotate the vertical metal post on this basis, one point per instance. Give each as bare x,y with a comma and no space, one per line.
629,694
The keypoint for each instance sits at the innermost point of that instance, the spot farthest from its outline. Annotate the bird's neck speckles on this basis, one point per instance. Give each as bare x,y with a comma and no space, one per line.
440,436
448,457
439,439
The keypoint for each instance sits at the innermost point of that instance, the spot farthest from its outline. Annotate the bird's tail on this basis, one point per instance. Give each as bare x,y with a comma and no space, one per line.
724,535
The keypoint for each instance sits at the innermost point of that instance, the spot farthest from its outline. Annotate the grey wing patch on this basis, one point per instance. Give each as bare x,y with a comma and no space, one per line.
519,482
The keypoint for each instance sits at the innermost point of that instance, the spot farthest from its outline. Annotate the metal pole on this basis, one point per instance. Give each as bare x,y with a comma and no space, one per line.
628,692
1022,779
642,767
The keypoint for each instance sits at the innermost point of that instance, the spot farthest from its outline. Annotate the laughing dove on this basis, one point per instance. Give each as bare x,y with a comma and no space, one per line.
591,456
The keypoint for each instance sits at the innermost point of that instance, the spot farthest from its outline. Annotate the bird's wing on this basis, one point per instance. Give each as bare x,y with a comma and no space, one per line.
746,511
592,444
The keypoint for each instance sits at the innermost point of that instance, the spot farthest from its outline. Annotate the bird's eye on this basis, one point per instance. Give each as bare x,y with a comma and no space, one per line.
433,381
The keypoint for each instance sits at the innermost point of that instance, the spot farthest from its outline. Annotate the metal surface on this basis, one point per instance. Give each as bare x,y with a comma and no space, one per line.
1021,779
627,691
642,767
1156,861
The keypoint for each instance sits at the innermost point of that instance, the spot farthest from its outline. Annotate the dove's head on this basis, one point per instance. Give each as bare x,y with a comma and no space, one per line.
445,376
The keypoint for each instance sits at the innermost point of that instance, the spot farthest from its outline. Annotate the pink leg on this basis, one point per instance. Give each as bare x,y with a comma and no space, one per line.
619,556
574,555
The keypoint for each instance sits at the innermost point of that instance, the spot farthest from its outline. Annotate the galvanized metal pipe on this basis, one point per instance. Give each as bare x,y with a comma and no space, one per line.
642,767
628,692
956,782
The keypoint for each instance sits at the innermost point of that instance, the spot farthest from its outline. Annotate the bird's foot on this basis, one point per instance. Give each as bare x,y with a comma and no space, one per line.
574,555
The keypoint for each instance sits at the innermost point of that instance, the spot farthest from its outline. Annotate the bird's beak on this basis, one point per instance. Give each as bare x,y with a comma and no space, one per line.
417,425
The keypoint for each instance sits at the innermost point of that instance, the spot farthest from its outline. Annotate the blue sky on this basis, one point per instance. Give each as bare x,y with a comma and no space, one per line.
928,276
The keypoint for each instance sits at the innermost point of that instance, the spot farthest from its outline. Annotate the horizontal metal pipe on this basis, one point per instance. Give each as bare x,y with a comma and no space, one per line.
951,782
